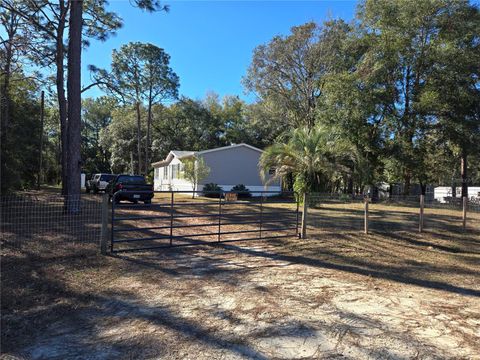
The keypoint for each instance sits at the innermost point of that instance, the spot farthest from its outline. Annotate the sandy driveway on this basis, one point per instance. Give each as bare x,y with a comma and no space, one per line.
279,299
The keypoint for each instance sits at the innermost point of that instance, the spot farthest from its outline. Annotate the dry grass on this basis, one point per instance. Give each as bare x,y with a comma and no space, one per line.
391,294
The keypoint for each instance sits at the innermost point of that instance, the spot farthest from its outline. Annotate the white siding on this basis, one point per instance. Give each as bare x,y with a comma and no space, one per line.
228,167
441,192
173,180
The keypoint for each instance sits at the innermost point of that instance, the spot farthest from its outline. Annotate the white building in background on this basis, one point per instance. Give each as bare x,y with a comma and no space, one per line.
443,192
229,166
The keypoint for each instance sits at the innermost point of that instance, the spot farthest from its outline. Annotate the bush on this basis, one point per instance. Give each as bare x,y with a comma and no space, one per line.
242,191
212,190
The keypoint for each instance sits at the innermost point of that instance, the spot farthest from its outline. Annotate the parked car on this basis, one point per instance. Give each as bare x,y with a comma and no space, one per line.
132,188
98,182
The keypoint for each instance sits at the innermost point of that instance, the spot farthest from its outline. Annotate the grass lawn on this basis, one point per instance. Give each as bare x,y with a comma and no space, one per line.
391,294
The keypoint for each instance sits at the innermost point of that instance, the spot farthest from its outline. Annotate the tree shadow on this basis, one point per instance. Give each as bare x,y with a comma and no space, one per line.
388,273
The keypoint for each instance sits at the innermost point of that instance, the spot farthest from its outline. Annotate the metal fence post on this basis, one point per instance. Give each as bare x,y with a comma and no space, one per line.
422,206
171,217
304,216
261,213
112,222
219,215
464,214
366,215
296,215
104,235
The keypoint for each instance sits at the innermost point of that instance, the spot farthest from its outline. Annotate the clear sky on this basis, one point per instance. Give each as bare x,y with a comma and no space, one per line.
210,42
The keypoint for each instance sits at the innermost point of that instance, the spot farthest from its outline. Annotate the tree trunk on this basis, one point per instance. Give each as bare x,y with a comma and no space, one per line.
464,173
5,98
132,168
139,138
407,183
423,188
74,104
5,112
42,113
149,122
350,187
62,102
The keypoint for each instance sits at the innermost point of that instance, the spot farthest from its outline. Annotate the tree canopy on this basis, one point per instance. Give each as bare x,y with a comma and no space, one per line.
391,97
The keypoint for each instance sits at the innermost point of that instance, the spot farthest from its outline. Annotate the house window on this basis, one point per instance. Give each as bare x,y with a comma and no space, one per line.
165,173
175,171
156,173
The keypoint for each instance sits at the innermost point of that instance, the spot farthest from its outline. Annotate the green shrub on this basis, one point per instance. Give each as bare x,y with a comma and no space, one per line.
212,190
242,191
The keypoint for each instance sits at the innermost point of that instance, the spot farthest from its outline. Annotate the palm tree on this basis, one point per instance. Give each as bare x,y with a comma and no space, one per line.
315,157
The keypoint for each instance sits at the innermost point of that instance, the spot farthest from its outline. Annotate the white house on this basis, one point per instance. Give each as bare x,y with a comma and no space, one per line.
229,166
443,192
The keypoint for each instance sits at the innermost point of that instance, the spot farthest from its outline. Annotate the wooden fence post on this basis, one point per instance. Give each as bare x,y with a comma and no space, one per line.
304,216
104,235
366,215
464,214
422,206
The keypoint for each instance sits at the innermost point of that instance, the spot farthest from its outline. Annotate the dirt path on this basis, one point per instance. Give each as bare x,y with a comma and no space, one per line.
258,300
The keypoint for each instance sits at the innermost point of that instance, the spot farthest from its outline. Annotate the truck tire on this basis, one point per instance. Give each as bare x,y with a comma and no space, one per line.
95,190
87,190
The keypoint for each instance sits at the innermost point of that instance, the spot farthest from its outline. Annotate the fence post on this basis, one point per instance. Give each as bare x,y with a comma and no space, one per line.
304,216
366,215
104,235
464,214
422,206
219,216
172,202
297,234
261,213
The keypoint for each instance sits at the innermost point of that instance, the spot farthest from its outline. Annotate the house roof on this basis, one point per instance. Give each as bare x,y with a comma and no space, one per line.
180,153
228,148
183,154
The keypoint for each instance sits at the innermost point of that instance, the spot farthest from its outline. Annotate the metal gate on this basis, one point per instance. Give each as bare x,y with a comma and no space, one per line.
185,218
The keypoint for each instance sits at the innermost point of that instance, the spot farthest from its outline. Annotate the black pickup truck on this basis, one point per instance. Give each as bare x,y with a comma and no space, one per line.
132,188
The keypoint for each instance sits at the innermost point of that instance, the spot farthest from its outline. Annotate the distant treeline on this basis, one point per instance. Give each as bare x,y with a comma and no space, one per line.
392,96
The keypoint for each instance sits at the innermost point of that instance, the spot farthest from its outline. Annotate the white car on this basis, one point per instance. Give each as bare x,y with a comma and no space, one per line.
98,182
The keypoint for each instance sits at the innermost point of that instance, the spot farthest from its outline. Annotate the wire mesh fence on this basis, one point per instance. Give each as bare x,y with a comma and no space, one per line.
43,220
396,213
448,215
334,212
346,213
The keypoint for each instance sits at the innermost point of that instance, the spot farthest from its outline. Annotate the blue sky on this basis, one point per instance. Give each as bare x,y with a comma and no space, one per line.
210,42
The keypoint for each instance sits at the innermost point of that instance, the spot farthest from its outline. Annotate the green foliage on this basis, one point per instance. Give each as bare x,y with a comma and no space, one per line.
139,71
212,190
119,139
195,170
140,76
21,147
97,115
314,157
242,191
391,97
289,71
186,125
